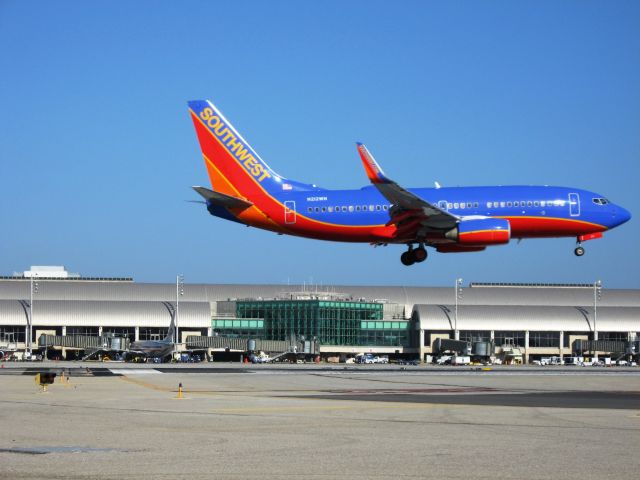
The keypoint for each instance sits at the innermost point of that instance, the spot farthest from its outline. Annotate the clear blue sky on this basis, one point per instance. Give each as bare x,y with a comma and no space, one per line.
97,151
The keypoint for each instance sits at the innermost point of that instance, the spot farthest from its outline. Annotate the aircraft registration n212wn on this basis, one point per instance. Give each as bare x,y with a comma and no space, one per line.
457,219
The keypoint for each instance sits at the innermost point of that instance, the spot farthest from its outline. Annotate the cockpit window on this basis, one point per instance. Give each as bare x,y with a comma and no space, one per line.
600,201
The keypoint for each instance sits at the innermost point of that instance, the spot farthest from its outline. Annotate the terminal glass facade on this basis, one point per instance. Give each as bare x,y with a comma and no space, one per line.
475,335
544,339
235,327
331,322
83,331
613,336
152,333
11,333
129,332
509,337
388,334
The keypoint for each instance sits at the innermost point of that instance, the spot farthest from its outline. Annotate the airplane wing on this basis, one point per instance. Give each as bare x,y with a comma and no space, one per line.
222,199
413,216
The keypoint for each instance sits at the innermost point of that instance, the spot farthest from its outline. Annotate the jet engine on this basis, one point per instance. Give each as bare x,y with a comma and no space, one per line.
481,231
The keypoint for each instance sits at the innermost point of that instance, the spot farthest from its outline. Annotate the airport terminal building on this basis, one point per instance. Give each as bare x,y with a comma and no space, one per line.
521,321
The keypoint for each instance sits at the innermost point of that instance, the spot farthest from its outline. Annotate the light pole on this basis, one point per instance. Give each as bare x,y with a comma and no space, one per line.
33,290
179,293
597,295
458,292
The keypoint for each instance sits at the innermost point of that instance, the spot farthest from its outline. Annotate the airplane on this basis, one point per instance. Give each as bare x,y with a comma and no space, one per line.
448,219
153,348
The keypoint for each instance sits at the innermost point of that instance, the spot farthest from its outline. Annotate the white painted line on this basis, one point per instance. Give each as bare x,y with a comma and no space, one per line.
134,371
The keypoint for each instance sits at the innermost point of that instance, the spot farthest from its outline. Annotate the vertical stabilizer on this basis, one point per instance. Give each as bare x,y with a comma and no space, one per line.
234,167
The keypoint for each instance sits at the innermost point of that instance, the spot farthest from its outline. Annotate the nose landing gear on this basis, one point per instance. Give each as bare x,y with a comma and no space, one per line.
579,251
414,255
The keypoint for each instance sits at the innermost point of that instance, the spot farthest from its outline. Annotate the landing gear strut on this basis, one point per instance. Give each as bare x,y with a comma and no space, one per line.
414,255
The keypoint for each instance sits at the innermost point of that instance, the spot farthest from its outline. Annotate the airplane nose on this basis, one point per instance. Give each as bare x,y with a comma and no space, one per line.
621,215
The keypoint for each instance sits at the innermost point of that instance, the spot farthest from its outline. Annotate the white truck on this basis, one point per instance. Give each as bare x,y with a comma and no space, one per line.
550,361
443,360
573,361
366,358
461,360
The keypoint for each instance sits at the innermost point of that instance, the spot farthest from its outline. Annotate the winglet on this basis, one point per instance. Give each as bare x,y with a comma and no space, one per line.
374,172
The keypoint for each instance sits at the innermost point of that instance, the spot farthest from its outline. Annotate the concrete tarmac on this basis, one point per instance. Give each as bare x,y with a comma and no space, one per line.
270,423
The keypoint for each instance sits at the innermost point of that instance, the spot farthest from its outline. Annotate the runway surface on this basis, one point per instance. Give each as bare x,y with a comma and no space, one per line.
319,422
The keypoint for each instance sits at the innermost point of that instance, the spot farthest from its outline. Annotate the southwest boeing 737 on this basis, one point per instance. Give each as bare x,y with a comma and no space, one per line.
460,219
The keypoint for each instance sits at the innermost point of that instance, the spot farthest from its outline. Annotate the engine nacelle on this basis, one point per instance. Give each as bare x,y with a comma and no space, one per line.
481,231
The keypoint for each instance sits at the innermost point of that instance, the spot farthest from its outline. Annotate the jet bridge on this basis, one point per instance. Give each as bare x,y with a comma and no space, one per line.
93,346
617,349
278,348
441,345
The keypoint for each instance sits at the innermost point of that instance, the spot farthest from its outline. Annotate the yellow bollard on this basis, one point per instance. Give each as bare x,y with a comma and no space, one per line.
64,379
180,391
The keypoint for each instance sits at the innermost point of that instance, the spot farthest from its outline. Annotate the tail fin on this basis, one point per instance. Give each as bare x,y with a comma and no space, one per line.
171,333
234,168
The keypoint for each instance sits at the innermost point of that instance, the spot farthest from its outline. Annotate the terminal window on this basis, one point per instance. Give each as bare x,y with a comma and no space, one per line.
129,332
613,336
83,331
475,335
509,338
544,339
11,333
150,333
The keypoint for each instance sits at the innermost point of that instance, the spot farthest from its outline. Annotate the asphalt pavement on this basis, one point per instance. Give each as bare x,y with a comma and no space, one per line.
236,421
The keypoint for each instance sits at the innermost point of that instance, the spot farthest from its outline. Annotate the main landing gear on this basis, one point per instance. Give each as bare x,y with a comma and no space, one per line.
414,255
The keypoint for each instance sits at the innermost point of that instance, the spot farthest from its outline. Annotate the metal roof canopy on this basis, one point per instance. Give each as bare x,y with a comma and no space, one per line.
522,318
104,313
479,295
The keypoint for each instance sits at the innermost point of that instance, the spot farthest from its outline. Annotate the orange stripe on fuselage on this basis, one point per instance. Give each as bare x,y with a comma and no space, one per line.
482,237
531,227
251,216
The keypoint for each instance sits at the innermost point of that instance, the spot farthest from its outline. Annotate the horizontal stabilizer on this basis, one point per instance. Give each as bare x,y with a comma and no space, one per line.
222,199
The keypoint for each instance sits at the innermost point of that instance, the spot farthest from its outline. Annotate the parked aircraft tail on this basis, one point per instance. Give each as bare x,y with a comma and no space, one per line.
171,333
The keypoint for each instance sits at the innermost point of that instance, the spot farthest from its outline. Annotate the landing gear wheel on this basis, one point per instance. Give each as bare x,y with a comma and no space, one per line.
579,251
407,258
420,254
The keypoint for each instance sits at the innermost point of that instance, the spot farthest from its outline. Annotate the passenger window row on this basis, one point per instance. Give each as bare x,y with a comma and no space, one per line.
454,205
461,205
349,208
528,203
